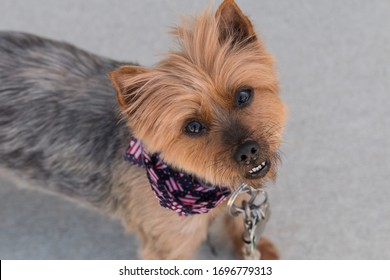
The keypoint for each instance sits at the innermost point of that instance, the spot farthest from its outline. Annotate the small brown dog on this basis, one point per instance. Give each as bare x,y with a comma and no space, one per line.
203,121
211,109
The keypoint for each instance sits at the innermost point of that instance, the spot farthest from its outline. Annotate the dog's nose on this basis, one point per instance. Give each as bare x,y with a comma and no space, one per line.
247,152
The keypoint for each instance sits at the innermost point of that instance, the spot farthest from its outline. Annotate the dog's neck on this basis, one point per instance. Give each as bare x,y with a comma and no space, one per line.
174,189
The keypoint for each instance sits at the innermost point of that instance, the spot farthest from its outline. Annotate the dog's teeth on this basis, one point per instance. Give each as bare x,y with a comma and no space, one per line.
257,168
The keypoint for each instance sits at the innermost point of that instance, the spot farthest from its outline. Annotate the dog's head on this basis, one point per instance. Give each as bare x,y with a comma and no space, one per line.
211,108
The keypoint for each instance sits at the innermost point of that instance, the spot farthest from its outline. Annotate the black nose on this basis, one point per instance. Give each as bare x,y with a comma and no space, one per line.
247,152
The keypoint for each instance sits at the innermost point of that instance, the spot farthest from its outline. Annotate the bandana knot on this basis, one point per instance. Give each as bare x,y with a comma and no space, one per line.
175,190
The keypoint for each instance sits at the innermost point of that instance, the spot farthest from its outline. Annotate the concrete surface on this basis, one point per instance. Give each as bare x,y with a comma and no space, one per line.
331,200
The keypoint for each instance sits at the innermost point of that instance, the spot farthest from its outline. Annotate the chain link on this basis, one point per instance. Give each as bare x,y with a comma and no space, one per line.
255,213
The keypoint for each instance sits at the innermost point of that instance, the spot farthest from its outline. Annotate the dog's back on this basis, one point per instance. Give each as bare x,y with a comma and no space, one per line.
59,125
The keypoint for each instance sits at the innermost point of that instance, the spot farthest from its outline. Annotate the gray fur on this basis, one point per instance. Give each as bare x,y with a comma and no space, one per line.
60,126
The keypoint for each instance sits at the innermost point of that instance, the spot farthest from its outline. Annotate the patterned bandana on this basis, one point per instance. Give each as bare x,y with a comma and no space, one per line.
175,190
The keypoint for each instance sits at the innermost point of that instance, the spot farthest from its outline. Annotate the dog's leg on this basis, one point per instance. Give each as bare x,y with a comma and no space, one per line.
172,237
266,247
164,234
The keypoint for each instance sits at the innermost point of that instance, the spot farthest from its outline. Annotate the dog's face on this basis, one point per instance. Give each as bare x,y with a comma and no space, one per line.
211,108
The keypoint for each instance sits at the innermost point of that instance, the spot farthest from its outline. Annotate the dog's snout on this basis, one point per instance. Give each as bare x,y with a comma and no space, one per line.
247,152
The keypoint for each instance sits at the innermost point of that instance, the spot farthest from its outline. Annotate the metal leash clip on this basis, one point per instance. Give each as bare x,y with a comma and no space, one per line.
255,212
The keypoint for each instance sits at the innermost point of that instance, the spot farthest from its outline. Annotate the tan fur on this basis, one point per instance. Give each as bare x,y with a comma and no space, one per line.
217,53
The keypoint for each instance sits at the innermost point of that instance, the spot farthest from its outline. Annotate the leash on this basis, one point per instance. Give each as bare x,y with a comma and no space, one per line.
255,213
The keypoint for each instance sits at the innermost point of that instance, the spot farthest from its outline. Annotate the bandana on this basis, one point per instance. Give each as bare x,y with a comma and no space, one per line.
175,190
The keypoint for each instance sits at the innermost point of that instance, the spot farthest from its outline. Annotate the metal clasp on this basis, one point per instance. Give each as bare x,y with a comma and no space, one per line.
255,212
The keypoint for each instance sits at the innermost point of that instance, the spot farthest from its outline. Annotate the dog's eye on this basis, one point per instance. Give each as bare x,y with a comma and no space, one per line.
243,97
194,128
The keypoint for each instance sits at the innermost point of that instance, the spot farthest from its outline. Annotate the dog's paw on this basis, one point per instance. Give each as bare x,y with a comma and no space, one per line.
267,250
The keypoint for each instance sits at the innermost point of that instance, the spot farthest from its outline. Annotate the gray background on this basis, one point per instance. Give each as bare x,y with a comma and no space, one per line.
331,200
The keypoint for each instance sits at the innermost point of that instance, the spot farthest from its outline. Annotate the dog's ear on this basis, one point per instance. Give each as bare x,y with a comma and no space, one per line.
234,25
125,82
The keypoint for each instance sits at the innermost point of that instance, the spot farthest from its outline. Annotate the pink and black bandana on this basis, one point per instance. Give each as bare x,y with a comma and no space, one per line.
175,190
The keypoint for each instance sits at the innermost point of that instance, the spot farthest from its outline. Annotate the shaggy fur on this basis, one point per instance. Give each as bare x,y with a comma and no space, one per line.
62,130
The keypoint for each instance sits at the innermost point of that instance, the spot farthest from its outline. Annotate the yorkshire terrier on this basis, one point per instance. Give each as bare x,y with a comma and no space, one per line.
163,155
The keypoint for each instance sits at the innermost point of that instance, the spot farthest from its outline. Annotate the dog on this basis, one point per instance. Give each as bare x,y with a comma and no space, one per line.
159,148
